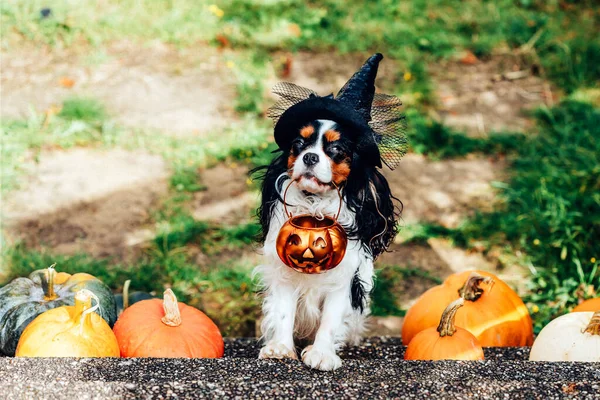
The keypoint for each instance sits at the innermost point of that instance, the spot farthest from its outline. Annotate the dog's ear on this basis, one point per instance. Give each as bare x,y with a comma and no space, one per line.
270,193
377,211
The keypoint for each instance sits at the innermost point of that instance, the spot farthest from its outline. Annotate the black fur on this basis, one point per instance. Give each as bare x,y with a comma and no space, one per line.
376,219
358,296
270,191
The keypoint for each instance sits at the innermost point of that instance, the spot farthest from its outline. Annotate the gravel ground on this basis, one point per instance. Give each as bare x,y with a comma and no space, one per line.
374,370
373,348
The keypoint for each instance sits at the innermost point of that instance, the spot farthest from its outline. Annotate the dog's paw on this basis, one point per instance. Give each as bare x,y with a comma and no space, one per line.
321,359
277,350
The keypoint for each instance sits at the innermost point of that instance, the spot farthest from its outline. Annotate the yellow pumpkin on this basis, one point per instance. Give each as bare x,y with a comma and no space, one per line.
23,299
69,331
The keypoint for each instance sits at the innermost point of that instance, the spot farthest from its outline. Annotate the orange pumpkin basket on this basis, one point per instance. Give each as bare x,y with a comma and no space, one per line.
311,245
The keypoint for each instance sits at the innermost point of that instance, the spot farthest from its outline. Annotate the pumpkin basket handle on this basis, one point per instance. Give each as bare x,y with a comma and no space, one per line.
289,214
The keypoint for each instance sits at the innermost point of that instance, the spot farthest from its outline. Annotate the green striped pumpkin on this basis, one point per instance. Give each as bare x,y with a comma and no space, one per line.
23,299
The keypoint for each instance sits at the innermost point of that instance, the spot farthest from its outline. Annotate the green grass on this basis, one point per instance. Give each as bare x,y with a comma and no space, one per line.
23,261
384,297
174,21
561,39
438,141
551,206
574,63
181,229
186,179
250,72
82,109
555,202
225,292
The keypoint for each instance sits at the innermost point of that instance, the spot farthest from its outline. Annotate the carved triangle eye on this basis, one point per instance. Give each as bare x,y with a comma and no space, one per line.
295,240
320,242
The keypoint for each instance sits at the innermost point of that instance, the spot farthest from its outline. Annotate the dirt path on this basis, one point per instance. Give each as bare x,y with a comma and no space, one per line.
86,200
443,191
227,198
153,86
490,96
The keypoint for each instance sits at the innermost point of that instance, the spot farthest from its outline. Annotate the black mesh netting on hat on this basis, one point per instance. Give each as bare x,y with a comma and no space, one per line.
387,121
290,95
389,125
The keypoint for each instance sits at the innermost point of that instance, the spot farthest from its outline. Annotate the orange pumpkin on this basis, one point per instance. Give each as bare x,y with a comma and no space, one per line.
166,328
311,246
493,312
446,342
588,305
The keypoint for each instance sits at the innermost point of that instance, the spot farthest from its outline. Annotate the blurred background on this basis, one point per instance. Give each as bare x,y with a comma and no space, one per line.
129,128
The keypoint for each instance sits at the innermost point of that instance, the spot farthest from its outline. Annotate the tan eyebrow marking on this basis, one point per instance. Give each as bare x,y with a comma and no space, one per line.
332,135
307,131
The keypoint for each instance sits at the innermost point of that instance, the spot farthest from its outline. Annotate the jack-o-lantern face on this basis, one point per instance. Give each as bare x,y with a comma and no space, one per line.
309,245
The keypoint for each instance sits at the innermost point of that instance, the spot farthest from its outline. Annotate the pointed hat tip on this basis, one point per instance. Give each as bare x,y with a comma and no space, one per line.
374,60
376,57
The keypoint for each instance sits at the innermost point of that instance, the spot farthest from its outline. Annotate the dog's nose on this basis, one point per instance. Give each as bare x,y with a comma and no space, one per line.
310,159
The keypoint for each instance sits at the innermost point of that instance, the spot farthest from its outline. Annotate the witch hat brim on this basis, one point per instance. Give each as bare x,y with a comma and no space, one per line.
374,121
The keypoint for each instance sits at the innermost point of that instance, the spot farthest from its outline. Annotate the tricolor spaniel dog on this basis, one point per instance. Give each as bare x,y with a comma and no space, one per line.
328,309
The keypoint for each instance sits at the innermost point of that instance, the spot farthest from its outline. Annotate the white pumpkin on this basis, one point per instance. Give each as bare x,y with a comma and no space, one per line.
570,337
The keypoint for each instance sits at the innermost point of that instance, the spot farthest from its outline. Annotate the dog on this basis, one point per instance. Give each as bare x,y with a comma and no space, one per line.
330,308
323,162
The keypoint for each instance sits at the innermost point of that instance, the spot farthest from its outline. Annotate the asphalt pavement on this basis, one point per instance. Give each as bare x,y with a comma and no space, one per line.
375,369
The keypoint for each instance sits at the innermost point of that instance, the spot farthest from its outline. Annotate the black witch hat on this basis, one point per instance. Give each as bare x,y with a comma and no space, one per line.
375,121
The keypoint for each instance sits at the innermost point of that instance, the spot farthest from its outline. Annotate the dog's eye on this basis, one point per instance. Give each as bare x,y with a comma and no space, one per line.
297,145
335,151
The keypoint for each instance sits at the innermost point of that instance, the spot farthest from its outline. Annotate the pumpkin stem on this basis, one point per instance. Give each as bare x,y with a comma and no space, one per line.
48,283
172,315
83,303
593,327
471,290
446,326
126,294
83,307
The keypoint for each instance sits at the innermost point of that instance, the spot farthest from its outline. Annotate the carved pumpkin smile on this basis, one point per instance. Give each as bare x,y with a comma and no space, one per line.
314,256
